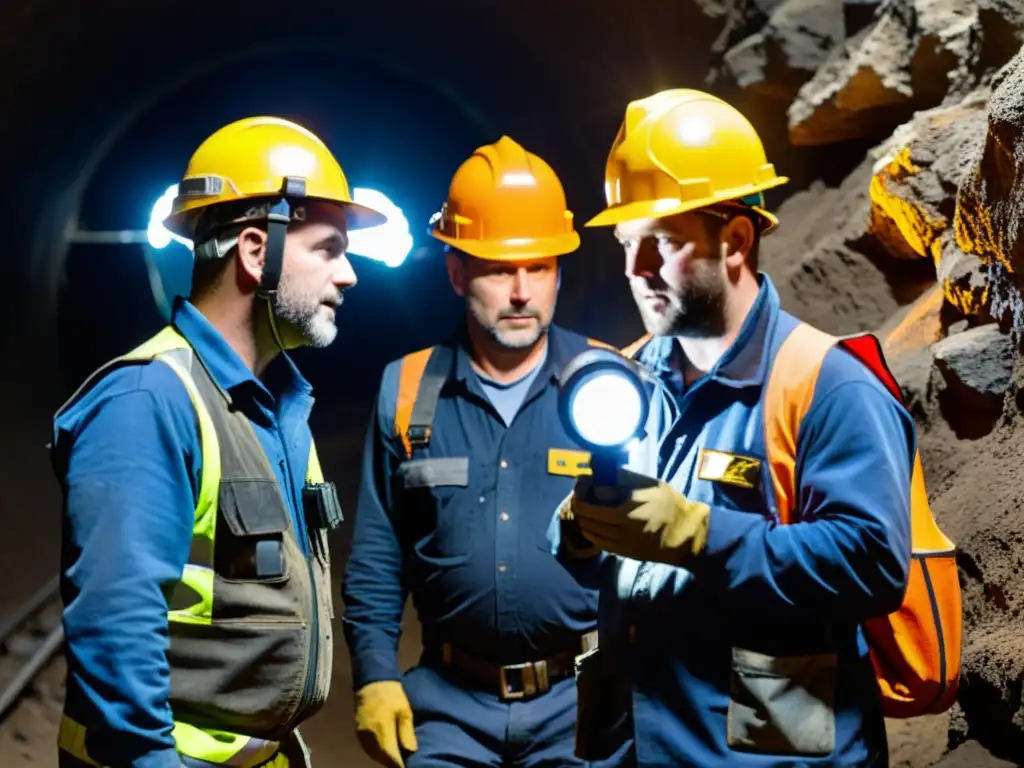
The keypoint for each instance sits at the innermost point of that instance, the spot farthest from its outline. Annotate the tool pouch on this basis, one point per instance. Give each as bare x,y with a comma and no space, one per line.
603,722
322,510
321,506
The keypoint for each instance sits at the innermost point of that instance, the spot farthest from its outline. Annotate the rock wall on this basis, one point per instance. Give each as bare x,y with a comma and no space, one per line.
923,243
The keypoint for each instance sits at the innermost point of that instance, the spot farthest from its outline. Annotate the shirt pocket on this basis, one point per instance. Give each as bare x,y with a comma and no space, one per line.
782,705
561,468
436,508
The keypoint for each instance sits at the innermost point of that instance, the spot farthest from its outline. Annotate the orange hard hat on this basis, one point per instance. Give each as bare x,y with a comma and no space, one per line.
506,204
680,150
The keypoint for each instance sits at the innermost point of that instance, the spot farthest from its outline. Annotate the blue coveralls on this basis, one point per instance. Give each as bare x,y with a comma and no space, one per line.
797,591
129,460
475,556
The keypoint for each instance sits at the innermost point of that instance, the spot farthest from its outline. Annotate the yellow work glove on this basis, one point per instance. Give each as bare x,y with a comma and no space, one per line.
383,719
648,521
573,543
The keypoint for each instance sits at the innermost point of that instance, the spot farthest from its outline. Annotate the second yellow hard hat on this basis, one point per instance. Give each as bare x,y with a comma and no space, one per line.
683,149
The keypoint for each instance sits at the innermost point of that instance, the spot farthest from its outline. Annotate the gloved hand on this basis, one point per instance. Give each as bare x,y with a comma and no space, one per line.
383,719
649,521
574,544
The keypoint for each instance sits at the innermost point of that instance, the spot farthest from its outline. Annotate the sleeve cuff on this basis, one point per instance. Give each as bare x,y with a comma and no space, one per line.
372,667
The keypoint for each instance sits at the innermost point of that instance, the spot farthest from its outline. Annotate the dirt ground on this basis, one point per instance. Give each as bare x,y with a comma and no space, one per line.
28,737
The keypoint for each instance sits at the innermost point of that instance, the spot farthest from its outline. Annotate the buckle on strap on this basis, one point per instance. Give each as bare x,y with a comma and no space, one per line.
521,680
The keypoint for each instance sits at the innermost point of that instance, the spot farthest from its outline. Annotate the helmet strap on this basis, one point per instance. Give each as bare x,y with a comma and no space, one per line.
278,218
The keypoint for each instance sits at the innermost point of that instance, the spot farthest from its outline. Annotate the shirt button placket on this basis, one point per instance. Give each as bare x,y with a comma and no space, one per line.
505,543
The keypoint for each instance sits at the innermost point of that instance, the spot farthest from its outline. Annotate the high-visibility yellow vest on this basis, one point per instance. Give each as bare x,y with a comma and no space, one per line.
239,504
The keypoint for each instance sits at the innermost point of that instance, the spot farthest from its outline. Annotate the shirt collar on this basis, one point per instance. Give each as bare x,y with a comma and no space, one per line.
555,358
225,366
745,361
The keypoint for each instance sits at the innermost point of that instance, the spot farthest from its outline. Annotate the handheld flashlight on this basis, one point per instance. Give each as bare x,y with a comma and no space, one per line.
603,404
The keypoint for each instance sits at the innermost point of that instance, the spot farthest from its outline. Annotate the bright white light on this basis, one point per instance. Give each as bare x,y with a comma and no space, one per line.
158,235
292,161
388,243
695,130
518,179
606,409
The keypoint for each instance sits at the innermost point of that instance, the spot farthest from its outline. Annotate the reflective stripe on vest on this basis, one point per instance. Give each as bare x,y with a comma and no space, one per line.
195,590
212,748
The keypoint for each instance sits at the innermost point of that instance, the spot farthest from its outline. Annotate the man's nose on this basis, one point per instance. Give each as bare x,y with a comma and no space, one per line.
343,275
643,260
521,286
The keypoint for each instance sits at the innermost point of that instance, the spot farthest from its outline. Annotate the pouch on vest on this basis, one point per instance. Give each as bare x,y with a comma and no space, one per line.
252,547
321,506
916,649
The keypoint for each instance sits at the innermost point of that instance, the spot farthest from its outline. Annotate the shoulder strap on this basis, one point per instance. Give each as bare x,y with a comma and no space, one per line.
787,397
421,377
790,391
633,349
600,344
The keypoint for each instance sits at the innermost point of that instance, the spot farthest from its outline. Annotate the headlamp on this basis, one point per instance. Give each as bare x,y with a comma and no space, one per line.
603,404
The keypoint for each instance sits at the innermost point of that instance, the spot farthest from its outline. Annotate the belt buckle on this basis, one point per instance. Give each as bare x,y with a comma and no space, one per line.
527,681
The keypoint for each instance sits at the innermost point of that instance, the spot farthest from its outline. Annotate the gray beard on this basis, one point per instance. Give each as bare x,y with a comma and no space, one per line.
305,314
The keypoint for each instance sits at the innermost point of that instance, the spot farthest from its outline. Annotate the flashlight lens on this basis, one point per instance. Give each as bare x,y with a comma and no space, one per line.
606,409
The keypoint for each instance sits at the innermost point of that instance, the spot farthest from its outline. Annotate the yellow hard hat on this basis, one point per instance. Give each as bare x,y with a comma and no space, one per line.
506,204
680,150
265,158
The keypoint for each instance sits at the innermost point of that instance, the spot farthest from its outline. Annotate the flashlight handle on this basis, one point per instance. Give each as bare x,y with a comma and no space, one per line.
605,466
605,488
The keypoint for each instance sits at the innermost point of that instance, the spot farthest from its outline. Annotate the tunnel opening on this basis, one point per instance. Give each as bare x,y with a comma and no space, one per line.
390,132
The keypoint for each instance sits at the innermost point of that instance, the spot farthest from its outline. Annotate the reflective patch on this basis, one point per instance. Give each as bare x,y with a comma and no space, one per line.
570,463
431,473
729,468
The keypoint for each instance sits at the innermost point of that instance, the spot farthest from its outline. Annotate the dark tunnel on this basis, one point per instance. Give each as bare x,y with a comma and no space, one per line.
105,101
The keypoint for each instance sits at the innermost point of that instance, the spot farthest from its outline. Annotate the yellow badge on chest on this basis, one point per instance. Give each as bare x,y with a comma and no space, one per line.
729,468
563,461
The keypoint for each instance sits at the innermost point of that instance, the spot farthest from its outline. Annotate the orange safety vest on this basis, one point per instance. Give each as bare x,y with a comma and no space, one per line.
916,649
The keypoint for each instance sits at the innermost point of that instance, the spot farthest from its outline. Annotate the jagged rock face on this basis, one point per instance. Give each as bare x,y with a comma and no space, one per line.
977,367
786,52
923,244
742,18
963,279
990,202
913,194
917,54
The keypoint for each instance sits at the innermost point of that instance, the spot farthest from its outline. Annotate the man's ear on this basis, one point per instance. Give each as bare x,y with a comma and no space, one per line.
737,241
252,253
456,273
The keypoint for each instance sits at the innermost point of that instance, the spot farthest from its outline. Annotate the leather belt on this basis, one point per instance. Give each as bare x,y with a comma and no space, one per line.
516,681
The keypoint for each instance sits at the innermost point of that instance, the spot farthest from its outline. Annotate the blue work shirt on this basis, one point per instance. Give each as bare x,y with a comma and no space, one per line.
472,550
679,639
128,456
